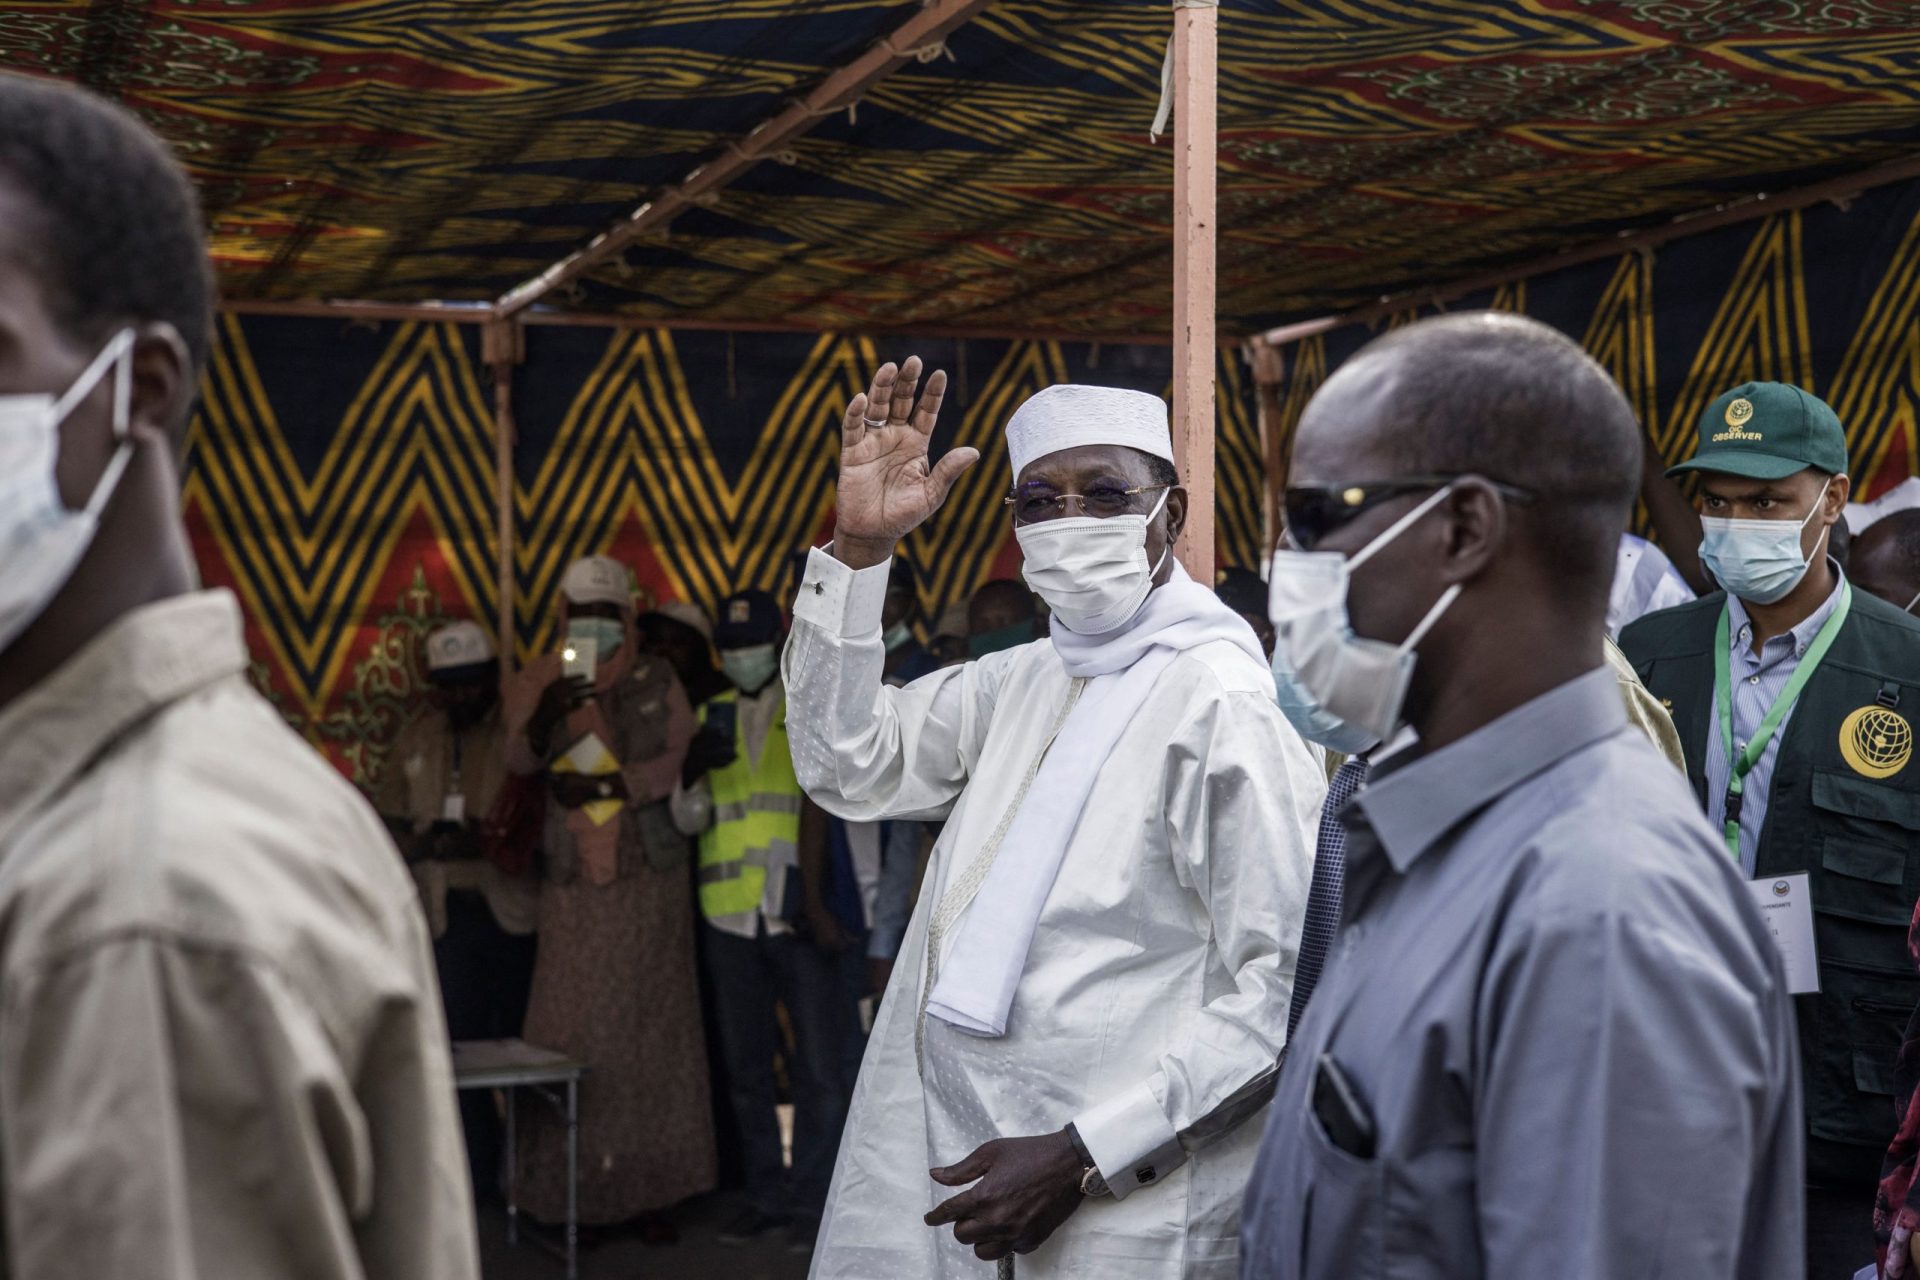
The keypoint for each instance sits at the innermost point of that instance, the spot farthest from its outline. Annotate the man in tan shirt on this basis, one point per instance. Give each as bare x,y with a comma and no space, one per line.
221,1048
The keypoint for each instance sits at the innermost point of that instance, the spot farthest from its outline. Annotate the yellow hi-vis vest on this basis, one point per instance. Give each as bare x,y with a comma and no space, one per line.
756,822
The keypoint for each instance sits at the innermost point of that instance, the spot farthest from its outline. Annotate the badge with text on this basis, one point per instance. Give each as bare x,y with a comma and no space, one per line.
1876,742
1786,904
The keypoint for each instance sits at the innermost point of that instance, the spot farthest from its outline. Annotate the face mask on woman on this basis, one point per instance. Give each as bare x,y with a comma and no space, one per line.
605,634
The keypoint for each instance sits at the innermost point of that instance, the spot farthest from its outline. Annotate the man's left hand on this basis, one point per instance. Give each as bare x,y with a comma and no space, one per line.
1024,1188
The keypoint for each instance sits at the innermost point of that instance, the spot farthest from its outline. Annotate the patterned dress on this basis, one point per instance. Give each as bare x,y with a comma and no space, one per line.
1896,1210
615,983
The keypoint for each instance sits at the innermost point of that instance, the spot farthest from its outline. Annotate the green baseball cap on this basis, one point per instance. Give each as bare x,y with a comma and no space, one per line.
1767,431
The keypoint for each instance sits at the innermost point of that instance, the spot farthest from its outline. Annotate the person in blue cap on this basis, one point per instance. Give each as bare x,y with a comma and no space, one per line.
1794,695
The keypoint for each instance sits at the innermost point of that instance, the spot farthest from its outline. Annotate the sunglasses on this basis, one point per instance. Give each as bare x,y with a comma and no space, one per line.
1313,512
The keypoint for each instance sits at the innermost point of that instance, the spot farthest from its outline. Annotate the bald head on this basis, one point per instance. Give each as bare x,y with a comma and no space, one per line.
1885,560
1493,395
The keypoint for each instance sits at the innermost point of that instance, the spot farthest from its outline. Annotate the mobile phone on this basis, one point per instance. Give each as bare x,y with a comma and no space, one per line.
580,660
1341,1111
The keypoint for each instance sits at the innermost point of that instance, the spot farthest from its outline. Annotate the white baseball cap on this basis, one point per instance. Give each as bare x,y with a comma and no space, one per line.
598,580
458,644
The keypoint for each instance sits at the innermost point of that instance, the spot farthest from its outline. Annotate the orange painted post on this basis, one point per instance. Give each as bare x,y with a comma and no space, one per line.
1269,371
1196,56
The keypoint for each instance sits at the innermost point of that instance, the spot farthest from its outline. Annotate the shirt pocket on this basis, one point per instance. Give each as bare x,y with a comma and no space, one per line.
1340,1217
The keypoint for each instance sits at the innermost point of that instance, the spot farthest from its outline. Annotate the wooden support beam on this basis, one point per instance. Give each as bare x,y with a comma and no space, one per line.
503,346
1269,369
919,35
1196,57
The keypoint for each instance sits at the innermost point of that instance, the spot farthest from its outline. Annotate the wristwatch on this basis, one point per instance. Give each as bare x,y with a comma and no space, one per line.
1091,1182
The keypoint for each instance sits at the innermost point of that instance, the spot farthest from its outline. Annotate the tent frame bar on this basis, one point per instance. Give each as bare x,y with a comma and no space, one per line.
347,310
920,36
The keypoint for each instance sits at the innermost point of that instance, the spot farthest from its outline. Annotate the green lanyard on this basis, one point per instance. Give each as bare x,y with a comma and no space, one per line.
1723,705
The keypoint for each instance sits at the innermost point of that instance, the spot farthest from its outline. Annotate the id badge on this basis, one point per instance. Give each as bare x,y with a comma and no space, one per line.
454,808
1786,906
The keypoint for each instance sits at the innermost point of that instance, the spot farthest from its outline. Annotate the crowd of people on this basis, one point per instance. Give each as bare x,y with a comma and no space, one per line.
1474,889
623,866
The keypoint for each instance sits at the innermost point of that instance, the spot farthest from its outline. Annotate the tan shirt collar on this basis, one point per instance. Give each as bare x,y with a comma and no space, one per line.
147,660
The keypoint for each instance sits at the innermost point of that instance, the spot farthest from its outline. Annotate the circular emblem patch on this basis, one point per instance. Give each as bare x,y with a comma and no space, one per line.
1781,888
1738,412
1875,742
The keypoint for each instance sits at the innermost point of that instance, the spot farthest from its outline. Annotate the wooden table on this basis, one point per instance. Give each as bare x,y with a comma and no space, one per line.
512,1065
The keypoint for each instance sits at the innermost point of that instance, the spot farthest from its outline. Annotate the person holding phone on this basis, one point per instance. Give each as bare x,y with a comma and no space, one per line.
436,788
607,725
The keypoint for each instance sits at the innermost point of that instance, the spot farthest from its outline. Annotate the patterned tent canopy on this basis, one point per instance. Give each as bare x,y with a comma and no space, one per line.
443,149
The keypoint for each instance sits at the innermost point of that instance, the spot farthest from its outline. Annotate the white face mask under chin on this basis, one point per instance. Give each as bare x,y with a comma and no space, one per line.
1092,573
41,540
1339,689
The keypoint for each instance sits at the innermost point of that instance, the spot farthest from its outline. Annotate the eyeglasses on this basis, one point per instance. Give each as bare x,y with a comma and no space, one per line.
1313,512
1035,503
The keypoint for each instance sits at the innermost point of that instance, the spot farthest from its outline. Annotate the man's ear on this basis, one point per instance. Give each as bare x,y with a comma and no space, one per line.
1839,490
1176,513
1477,530
163,383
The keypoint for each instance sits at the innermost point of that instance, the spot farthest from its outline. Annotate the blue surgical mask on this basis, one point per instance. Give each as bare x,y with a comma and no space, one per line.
1314,722
751,668
1758,560
1341,690
605,634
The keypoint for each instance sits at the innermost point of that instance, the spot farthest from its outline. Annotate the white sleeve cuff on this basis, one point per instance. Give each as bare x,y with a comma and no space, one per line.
842,601
1132,1142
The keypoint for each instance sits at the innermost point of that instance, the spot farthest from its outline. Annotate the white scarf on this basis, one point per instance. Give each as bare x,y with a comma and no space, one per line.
976,982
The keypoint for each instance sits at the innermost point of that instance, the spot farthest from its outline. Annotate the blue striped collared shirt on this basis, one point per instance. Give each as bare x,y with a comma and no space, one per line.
1757,681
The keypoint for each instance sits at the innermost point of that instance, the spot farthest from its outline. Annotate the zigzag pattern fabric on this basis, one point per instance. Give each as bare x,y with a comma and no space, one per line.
1827,298
409,149
340,479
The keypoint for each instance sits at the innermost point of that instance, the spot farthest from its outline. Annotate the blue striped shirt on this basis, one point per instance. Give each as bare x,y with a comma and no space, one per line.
1757,681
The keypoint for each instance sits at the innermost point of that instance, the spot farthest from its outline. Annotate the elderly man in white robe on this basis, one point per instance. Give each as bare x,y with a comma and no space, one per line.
1082,1030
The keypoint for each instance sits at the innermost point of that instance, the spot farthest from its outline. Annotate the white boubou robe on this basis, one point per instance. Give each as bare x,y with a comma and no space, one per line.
1152,1003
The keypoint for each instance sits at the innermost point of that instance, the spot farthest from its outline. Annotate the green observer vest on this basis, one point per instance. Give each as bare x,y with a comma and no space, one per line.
1845,808
756,821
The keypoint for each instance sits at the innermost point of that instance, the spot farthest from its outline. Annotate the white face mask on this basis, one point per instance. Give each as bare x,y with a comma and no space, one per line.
1093,573
1338,689
1758,560
41,541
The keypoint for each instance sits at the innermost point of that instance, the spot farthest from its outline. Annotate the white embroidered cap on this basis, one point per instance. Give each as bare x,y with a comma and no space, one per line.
598,580
458,644
1071,415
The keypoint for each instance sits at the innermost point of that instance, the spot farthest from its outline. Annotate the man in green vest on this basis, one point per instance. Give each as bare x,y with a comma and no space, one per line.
1794,695
769,937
